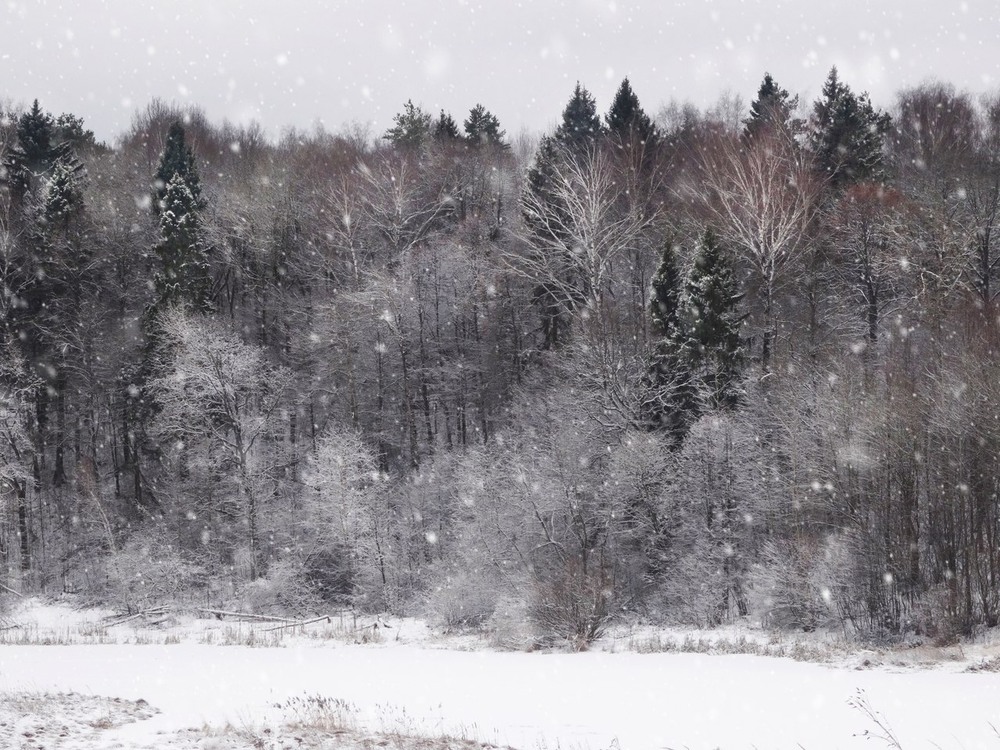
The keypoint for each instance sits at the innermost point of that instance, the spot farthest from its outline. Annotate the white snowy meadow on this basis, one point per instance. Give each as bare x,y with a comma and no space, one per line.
409,683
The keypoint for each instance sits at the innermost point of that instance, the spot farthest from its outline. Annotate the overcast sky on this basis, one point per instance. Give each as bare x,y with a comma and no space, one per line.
299,62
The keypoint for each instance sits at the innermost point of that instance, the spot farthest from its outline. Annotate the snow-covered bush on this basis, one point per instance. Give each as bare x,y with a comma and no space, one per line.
571,604
147,572
792,587
465,599
285,590
509,626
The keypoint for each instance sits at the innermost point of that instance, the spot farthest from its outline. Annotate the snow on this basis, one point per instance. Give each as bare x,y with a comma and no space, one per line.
589,700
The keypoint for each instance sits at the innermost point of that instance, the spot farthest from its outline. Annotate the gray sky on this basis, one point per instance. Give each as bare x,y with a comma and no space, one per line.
299,62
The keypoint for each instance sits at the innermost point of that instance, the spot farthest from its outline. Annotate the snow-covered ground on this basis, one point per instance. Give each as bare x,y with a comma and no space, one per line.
401,687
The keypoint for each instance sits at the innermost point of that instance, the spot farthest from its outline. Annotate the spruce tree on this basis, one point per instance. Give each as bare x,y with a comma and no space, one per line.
771,111
176,159
483,128
627,120
183,277
581,125
671,402
712,326
847,135
665,299
63,195
33,156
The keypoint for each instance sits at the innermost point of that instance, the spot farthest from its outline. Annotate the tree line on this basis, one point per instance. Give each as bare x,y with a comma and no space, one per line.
708,365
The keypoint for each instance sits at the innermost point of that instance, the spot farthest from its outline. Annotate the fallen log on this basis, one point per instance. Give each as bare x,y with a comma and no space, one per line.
220,613
137,615
294,624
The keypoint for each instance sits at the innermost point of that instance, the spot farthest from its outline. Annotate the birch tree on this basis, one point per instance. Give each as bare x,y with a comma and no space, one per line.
220,403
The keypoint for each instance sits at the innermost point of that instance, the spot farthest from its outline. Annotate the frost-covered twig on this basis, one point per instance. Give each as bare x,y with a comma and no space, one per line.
861,703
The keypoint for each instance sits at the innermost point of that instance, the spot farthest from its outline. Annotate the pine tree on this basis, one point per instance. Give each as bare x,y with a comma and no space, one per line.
483,128
847,135
411,128
446,130
772,111
581,125
627,120
69,130
712,326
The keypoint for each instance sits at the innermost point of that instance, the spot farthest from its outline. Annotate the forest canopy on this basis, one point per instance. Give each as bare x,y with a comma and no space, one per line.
691,367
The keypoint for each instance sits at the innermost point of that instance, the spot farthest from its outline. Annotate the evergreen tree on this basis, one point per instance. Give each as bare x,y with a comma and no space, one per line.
671,402
712,326
63,195
446,130
847,135
626,119
581,125
411,128
665,299
30,160
183,277
69,130
772,111
483,128
177,159
577,134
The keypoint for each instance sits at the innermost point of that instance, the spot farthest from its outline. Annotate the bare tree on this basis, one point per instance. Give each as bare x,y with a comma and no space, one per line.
220,400
580,226
761,197
871,238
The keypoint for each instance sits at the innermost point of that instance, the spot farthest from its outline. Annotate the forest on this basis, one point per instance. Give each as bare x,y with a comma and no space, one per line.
688,368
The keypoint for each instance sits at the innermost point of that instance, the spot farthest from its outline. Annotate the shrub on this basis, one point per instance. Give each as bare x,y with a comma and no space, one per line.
571,604
286,589
146,572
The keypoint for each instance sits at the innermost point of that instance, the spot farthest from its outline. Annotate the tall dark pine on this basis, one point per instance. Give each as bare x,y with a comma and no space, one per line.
712,326
176,159
184,275
445,129
848,135
627,120
670,404
581,125
665,299
34,154
771,111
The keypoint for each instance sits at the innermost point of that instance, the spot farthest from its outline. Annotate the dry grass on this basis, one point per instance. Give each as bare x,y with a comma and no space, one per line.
664,644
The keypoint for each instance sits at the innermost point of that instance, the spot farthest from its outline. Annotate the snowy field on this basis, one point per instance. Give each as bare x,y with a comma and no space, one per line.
127,687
